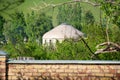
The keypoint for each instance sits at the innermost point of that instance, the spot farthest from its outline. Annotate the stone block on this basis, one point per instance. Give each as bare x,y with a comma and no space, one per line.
109,75
63,74
3,58
69,70
73,67
42,70
63,66
81,67
55,66
28,74
11,74
80,75
60,70
14,78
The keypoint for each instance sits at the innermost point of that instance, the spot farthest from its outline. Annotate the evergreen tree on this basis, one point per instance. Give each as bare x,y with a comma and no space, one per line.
2,21
70,14
89,18
37,25
14,29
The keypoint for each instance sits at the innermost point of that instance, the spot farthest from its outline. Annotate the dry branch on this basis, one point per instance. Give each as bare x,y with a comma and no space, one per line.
110,47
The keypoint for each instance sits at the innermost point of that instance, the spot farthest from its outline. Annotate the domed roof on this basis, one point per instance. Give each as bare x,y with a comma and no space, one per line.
63,31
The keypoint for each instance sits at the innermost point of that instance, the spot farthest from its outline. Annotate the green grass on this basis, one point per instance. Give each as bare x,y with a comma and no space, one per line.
94,10
28,6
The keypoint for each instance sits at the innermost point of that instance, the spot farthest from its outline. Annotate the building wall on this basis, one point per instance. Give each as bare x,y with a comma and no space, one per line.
47,41
59,70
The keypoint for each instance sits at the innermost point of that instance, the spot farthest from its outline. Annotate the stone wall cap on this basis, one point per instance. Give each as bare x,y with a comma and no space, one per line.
2,53
64,62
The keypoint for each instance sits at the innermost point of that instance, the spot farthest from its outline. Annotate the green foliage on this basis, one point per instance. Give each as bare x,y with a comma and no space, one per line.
7,5
96,35
89,18
110,56
67,50
2,21
72,50
1,24
111,10
32,28
34,25
114,33
71,14
11,50
14,29
37,25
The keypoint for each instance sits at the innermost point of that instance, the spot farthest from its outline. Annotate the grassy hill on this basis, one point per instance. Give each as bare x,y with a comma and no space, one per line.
35,5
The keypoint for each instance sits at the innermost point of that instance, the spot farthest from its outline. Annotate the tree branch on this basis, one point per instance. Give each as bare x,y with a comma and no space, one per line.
110,47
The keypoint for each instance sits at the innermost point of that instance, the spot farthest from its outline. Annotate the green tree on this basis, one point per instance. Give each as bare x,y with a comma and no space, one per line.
70,14
14,33
111,10
89,18
14,29
2,21
37,25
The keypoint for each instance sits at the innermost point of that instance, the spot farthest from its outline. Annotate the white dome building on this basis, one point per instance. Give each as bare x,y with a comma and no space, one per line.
61,33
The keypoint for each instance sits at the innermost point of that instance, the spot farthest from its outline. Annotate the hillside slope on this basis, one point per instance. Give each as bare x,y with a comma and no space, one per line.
35,5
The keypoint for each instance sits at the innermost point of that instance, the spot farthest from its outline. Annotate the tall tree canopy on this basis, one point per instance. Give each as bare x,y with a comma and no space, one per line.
2,21
15,29
37,25
89,18
70,14
111,9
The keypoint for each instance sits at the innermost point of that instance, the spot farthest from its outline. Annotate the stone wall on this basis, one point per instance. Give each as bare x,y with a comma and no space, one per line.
58,70
63,70
2,67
